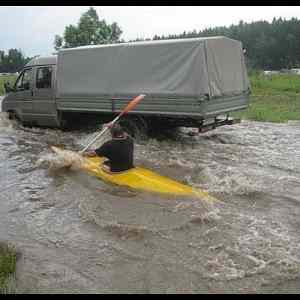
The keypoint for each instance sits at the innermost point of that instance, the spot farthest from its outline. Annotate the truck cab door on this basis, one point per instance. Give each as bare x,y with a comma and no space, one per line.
44,105
23,95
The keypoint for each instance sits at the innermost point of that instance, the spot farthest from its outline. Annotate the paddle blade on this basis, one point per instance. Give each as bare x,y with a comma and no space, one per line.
133,103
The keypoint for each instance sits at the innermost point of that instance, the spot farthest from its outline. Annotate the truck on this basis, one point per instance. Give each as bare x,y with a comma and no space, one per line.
194,82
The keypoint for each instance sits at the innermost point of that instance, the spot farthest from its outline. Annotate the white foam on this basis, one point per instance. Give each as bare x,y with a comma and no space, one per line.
61,159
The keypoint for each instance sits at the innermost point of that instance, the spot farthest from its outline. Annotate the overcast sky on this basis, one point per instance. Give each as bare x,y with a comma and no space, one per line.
32,28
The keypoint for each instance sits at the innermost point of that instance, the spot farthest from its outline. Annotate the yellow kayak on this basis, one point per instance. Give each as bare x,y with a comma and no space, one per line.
138,178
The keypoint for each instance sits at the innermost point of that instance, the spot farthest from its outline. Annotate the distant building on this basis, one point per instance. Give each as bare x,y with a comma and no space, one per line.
285,71
295,71
270,72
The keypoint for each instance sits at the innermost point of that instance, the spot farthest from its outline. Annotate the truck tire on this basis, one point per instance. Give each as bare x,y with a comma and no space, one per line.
12,115
135,126
62,121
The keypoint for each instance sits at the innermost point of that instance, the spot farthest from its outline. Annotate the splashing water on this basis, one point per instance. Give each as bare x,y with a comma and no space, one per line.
79,234
6,125
62,159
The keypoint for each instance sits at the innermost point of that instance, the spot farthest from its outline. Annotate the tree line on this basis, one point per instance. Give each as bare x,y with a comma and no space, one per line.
274,45
268,45
13,61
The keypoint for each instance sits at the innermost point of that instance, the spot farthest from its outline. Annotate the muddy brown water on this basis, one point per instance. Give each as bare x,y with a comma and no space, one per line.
77,234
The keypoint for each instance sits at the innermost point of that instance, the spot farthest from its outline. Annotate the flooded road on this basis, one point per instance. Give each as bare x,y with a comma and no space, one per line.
77,234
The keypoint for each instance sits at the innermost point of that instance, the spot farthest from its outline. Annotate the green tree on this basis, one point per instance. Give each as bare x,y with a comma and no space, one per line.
272,45
13,61
90,30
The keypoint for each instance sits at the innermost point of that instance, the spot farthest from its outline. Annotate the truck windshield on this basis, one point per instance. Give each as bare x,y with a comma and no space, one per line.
23,82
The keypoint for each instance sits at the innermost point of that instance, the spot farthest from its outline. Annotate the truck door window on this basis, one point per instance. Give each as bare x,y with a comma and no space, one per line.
23,82
43,78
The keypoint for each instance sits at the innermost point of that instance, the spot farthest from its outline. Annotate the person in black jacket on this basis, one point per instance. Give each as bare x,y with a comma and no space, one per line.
118,150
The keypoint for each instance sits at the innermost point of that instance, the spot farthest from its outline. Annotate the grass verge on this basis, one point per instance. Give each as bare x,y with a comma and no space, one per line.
273,108
10,78
274,98
8,259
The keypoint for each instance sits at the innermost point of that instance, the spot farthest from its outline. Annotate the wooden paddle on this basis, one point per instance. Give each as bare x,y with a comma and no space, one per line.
128,108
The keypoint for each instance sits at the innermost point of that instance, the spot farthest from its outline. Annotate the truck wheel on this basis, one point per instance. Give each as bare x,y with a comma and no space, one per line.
62,121
12,115
135,126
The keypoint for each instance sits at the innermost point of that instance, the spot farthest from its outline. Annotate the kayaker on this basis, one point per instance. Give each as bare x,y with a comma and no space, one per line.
118,150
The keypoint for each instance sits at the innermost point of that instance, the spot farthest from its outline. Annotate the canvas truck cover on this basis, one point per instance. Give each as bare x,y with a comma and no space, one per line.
186,67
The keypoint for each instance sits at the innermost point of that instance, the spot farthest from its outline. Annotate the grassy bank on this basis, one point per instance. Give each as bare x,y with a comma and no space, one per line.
10,78
8,260
274,98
